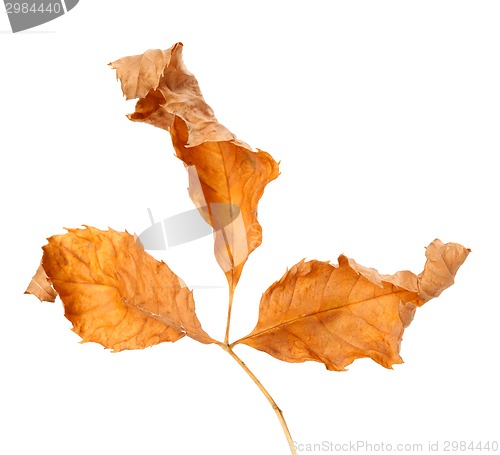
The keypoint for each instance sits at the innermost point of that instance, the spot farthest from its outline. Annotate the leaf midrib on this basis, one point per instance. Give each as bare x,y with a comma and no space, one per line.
309,315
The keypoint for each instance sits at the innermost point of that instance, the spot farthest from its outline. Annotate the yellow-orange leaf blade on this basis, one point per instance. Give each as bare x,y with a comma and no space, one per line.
336,314
116,294
226,177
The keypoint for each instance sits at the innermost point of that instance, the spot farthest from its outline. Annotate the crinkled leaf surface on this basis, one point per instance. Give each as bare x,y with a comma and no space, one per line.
115,293
226,177
336,314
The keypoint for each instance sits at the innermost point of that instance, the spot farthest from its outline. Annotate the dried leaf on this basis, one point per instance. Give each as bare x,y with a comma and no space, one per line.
141,73
116,294
336,314
41,287
226,177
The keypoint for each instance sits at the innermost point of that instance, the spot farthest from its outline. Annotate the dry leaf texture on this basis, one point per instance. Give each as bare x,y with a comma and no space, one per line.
226,177
41,287
336,314
115,293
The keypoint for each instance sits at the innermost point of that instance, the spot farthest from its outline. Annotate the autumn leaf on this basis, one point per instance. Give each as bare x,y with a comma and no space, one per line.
115,293
226,177
336,314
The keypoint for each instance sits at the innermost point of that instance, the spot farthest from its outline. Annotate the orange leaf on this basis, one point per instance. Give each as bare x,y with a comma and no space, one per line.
116,294
226,177
336,314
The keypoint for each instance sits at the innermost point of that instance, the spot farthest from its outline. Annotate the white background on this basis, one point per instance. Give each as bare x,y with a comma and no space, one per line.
385,117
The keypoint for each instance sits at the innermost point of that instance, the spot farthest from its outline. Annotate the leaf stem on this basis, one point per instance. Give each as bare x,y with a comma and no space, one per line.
230,306
277,410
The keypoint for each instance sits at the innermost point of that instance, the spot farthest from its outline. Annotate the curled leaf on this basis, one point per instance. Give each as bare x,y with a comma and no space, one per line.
226,177
440,269
116,294
336,314
41,287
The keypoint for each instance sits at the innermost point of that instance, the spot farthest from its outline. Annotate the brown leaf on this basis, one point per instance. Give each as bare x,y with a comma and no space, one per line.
336,314
439,272
141,73
116,294
41,287
226,177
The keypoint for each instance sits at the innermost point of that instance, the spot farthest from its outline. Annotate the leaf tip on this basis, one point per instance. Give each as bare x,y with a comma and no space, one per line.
41,287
